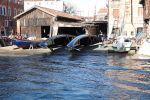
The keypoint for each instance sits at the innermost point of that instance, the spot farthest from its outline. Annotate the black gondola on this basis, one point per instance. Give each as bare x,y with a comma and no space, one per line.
57,41
83,40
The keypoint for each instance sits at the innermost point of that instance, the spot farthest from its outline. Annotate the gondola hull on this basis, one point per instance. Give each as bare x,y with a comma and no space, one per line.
57,41
81,41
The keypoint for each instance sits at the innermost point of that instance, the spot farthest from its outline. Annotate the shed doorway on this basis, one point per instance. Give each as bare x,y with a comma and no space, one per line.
71,30
45,31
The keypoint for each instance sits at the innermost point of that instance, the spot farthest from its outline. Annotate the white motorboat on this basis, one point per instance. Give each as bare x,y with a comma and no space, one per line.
122,44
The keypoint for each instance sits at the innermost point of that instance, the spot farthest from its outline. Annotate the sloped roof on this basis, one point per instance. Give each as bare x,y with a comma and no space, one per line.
103,10
52,12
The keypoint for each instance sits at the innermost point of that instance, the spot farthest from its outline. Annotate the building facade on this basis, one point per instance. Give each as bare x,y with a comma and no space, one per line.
146,7
125,17
102,14
9,9
52,4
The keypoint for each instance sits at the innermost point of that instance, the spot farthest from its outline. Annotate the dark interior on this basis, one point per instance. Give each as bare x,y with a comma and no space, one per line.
62,41
87,41
103,28
71,30
45,30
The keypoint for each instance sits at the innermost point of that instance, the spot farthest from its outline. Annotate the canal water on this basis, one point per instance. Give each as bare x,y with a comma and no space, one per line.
86,75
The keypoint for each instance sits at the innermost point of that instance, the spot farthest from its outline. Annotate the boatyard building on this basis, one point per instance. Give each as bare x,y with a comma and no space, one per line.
43,22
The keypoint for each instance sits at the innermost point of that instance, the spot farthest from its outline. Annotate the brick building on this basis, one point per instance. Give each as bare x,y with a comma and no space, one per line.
146,6
125,16
102,14
9,9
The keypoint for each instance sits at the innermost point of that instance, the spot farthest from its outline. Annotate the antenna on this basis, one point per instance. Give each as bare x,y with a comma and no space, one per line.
131,11
95,13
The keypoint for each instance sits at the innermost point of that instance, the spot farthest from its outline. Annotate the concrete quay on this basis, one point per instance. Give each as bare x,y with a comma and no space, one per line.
15,51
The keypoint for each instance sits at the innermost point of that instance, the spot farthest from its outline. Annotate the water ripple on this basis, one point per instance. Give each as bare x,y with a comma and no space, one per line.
74,76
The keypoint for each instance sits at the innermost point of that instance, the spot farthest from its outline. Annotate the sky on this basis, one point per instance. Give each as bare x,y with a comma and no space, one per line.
87,7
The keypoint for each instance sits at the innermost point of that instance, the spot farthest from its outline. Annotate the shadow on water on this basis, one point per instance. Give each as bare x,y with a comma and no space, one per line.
62,75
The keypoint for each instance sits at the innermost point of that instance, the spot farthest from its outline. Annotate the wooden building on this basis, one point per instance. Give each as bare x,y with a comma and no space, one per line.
43,22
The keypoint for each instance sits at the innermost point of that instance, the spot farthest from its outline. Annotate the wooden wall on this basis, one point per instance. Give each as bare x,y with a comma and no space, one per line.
31,22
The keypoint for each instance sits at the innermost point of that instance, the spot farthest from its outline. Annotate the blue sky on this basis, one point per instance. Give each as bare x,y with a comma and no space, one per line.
87,6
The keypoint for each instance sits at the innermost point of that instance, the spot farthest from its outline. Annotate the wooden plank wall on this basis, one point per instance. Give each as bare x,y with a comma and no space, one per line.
31,22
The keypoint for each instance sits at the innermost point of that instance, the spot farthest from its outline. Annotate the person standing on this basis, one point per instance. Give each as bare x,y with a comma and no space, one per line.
101,37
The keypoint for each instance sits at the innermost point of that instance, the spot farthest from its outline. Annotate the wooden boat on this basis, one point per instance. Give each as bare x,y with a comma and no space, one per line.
57,41
26,44
122,44
82,40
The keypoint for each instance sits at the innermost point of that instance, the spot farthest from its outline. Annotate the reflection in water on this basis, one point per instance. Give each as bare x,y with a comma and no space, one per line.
131,88
62,75
132,75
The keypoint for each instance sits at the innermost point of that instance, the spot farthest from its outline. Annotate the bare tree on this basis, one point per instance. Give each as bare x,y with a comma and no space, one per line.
69,8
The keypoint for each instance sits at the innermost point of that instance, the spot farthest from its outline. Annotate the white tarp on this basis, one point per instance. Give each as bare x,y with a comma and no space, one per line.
145,48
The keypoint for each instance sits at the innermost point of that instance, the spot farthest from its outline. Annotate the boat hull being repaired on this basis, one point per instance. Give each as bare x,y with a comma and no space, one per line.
81,41
57,41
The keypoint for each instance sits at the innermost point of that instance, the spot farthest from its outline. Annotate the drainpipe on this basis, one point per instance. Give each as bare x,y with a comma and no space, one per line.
94,12
131,12
132,15
108,23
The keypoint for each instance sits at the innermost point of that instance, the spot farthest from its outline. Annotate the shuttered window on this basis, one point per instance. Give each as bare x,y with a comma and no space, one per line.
1,10
115,13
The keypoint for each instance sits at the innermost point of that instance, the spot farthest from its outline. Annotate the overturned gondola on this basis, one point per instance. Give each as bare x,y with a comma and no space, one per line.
83,40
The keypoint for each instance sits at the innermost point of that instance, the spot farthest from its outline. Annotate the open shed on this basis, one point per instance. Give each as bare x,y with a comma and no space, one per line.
42,22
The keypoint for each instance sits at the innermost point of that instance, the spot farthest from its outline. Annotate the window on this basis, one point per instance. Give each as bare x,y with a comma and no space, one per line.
15,12
1,10
116,13
9,11
6,23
